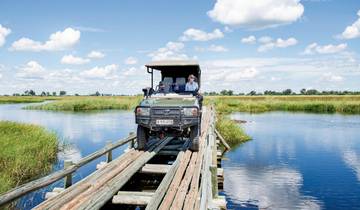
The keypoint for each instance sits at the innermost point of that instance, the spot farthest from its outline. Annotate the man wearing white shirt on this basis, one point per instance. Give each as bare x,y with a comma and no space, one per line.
191,85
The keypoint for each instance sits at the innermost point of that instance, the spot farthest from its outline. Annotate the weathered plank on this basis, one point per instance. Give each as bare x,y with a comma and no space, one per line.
97,198
132,198
184,186
67,195
155,169
169,196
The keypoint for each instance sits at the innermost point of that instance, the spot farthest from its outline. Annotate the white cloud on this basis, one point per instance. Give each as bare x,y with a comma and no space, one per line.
4,32
73,60
32,70
106,72
265,39
278,43
172,51
212,48
353,31
330,77
193,34
1,76
60,40
326,49
130,61
256,14
95,54
246,74
249,40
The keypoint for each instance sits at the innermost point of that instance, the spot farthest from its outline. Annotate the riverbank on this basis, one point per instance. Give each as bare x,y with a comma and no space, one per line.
88,103
27,151
311,104
25,99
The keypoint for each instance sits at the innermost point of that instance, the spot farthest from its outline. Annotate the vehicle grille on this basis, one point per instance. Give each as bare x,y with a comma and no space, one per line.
165,112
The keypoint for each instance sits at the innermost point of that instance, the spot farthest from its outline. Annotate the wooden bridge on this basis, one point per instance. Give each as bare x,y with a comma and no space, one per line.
166,176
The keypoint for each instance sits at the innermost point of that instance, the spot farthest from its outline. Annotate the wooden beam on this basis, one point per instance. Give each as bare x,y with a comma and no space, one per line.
96,198
155,169
132,198
222,140
170,194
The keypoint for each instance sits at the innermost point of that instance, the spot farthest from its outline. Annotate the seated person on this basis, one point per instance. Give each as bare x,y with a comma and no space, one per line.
161,87
191,85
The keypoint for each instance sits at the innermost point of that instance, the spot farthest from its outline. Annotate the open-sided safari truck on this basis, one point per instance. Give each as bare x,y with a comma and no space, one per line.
168,109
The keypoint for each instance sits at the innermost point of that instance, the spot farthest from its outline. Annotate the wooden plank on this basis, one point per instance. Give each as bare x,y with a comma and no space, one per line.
184,186
76,189
132,198
165,183
53,177
155,169
97,198
168,152
222,140
169,197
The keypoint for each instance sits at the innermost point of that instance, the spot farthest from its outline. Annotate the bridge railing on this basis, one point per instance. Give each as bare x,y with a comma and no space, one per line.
66,172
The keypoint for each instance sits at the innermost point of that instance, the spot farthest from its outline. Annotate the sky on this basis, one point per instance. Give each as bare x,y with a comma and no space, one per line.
86,46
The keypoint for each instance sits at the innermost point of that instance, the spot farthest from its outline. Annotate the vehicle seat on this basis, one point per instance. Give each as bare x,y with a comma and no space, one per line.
168,81
181,82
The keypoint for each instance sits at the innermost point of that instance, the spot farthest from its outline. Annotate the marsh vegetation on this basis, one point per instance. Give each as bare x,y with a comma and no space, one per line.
27,151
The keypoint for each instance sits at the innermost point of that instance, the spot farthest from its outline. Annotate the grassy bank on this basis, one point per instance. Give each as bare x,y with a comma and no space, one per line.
27,151
24,99
89,103
312,104
231,131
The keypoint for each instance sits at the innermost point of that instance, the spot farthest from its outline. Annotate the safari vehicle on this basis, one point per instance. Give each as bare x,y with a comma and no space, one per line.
169,110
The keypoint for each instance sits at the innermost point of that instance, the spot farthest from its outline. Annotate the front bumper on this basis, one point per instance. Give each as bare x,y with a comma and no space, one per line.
180,121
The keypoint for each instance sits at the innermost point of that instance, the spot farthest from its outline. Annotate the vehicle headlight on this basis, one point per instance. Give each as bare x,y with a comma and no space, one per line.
191,112
141,111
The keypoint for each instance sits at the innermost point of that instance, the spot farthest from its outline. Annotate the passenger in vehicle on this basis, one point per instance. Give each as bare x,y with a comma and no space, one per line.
161,88
191,85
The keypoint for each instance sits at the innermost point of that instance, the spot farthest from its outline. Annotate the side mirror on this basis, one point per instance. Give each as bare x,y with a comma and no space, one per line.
146,92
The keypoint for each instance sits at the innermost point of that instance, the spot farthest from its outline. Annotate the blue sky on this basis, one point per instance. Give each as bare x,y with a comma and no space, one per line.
241,45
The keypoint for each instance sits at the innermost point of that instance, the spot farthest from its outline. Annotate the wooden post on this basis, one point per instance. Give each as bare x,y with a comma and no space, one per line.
132,143
214,182
68,178
109,153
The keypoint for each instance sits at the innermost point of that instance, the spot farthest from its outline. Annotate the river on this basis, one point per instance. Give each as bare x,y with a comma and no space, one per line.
295,160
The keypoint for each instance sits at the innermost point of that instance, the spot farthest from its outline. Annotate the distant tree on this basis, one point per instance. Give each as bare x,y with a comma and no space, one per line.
43,94
97,93
303,91
287,92
54,93
312,92
76,94
47,93
32,93
62,93
252,93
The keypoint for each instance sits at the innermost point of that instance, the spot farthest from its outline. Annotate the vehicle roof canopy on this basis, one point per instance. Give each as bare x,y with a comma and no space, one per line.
176,68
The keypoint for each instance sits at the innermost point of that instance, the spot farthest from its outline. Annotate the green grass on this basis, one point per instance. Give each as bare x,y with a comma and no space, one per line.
89,103
24,99
231,131
311,104
27,151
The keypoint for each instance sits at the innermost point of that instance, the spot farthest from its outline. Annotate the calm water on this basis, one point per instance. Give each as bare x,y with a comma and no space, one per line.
85,132
295,161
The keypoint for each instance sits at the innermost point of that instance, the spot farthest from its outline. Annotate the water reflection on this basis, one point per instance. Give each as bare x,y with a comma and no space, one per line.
267,188
295,161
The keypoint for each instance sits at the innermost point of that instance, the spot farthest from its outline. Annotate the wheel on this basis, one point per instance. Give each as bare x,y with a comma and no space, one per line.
194,137
141,137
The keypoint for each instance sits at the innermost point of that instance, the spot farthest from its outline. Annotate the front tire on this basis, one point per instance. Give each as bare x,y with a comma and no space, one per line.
142,137
194,137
